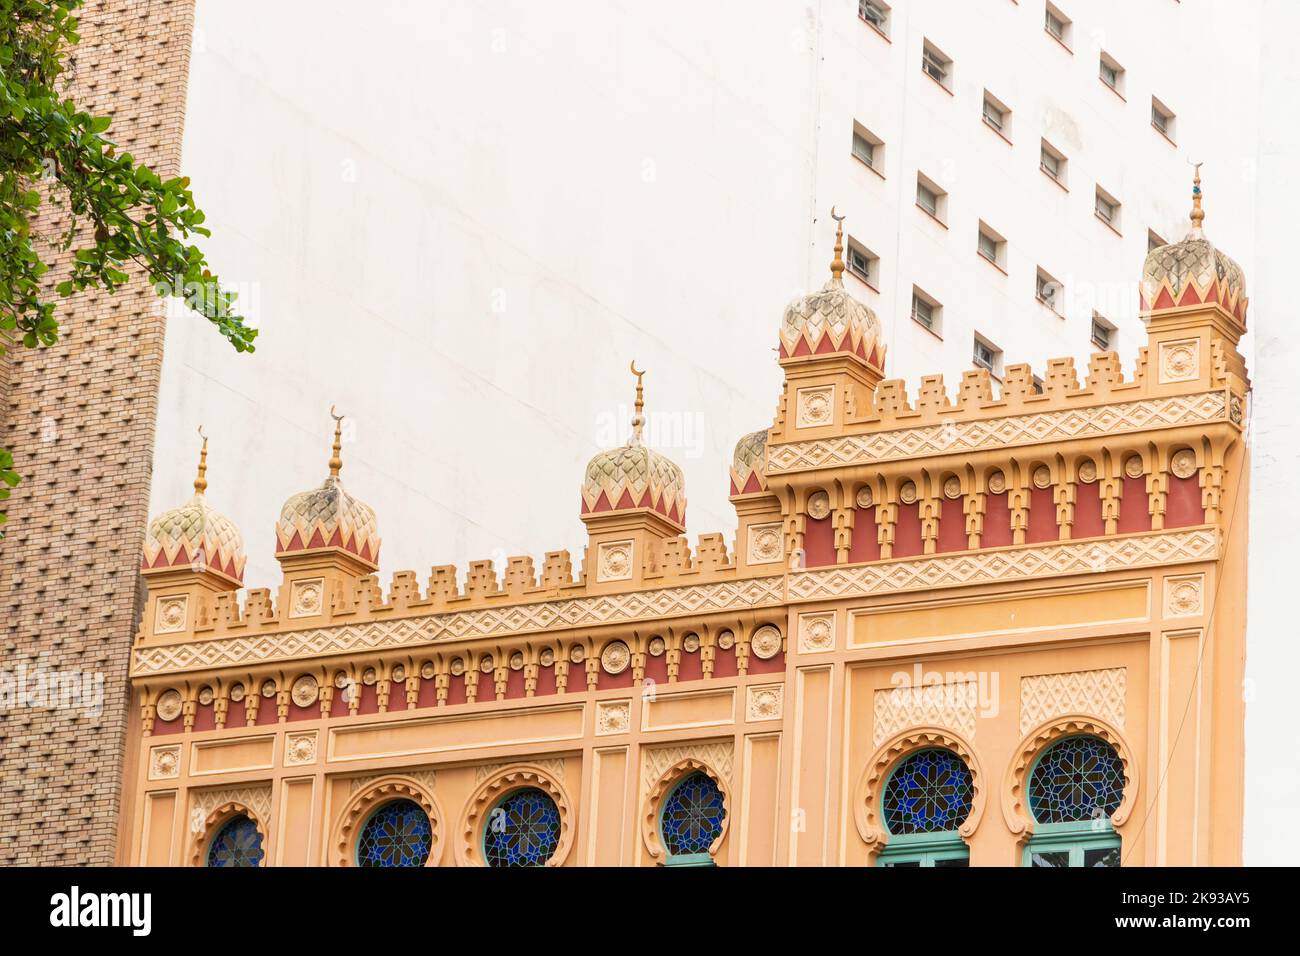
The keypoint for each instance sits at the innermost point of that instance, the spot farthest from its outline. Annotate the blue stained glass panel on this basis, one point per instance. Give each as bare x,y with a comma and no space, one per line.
692,815
237,843
522,830
1078,778
929,792
397,834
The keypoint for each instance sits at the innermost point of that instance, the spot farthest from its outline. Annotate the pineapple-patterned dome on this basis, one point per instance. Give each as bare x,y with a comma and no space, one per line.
1193,272
328,517
635,477
831,320
747,463
196,536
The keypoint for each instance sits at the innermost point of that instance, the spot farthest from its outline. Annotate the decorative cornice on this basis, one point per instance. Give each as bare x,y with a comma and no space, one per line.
982,567
462,625
1005,432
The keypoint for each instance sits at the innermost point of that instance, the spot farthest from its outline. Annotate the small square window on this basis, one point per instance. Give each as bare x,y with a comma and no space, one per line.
1111,73
987,355
1103,333
926,311
931,198
863,263
1162,118
1052,161
1048,291
875,13
936,65
1057,24
997,115
868,147
990,245
1107,208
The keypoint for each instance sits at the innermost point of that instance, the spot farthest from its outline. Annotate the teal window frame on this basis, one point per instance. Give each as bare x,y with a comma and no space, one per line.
924,848
1074,838
683,859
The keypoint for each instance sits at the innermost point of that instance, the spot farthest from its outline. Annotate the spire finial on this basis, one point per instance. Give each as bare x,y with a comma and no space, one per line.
1198,214
638,419
201,480
837,264
336,461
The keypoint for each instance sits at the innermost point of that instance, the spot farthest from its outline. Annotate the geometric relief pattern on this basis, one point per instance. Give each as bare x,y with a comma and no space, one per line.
1129,551
256,798
522,830
692,815
657,760
930,792
463,625
949,437
553,766
1078,778
1099,693
425,778
932,705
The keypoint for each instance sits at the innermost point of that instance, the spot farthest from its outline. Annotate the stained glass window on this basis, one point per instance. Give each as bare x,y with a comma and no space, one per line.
692,816
397,834
237,843
930,792
522,830
1078,778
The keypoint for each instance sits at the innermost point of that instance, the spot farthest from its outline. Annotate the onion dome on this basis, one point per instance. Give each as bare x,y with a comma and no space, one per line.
195,536
830,320
328,517
1193,272
634,477
747,463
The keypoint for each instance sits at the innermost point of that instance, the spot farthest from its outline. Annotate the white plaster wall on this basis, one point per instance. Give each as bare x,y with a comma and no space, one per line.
1272,648
460,221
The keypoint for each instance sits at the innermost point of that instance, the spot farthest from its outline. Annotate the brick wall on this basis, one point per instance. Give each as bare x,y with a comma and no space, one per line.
80,419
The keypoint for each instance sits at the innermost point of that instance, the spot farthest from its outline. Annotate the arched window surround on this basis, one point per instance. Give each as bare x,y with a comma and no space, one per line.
217,819
1072,838
370,798
938,847
498,786
651,818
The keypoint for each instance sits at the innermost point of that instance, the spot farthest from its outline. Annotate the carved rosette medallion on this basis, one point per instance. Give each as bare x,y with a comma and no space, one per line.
171,614
814,406
1183,464
819,505
816,633
300,748
766,642
614,561
615,657
1184,596
613,717
305,691
1180,361
169,703
765,545
165,762
764,702
307,598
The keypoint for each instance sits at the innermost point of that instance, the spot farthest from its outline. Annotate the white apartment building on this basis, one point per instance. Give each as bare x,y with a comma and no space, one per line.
458,222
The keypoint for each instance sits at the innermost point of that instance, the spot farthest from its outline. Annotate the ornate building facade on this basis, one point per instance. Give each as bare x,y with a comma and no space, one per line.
997,627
